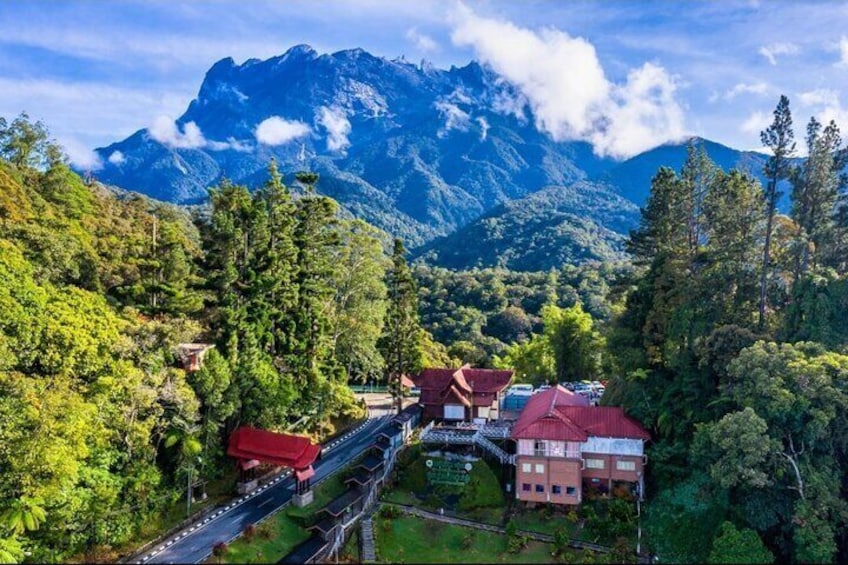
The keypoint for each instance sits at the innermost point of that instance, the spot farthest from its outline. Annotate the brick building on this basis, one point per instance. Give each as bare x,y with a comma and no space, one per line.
564,445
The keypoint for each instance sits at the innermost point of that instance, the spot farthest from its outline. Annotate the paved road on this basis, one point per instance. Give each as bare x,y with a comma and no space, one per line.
194,544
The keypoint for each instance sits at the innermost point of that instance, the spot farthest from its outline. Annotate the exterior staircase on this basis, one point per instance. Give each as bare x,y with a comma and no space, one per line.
471,435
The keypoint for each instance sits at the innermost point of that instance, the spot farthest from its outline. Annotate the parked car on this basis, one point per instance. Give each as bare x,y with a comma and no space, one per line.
414,391
520,389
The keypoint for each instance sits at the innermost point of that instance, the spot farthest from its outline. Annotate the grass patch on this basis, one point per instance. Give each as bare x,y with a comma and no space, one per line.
400,496
278,535
409,539
548,520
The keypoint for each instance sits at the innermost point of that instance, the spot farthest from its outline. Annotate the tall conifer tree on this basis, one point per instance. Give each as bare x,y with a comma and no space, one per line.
780,138
400,344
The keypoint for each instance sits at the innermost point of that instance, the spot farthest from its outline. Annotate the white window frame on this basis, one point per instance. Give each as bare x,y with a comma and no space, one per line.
526,467
595,464
625,465
540,469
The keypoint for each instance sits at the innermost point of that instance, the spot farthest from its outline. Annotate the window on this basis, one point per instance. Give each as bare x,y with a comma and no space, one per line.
571,491
525,487
556,489
540,488
594,463
539,448
625,465
540,468
526,468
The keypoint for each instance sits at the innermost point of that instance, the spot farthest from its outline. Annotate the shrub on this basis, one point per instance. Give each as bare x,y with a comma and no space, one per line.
514,541
386,525
249,532
219,550
572,516
467,540
264,531
387,511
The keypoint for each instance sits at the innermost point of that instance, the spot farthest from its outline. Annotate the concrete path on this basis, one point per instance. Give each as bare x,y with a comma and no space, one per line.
366,534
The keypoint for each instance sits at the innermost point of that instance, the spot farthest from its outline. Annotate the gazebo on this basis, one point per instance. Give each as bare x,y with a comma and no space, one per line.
251,446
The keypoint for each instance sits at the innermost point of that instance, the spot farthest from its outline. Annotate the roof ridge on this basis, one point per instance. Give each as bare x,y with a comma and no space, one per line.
553,400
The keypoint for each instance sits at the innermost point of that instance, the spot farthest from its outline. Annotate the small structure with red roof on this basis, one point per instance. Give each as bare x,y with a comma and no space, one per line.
252,447
191,355
463,394
563,443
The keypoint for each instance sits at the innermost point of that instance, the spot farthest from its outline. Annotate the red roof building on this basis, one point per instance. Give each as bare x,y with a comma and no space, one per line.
296,452
564,445
462,394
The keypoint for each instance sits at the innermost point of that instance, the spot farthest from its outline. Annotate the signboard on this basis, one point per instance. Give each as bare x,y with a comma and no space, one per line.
445,472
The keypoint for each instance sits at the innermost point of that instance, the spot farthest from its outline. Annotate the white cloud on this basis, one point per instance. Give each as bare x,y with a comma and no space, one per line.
80,155
337,125
742,88
484,128
510,105
165,131
422,41
843,52
826,106
819,97
116,158
231,144
567,88
277,131
771,51
454,116
756,122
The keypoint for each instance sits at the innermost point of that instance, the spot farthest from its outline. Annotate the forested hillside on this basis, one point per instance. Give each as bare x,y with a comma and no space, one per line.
732,351
559,225
100,424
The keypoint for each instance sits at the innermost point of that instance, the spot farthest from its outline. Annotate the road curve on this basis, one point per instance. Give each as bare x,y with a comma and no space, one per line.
194,543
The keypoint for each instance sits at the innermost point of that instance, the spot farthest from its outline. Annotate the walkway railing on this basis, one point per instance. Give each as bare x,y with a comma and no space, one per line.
467,435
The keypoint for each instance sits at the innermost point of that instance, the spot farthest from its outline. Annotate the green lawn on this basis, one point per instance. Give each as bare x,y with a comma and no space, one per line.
282,532
413,540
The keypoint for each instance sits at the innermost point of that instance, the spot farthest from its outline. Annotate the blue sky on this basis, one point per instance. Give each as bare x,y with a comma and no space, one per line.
96,71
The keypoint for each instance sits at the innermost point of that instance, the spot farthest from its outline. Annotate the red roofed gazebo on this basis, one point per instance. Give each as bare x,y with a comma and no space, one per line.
252,446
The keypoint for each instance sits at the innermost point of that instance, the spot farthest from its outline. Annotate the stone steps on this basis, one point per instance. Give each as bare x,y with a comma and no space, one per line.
366,536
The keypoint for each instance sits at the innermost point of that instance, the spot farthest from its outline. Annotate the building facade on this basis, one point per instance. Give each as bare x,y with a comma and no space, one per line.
463,394
564,446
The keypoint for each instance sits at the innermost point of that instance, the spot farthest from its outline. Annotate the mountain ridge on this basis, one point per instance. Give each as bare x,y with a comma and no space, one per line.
416,150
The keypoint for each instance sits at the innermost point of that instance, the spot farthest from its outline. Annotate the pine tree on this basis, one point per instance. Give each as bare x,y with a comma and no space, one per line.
279,269
315,237
815,190
400,344
780,138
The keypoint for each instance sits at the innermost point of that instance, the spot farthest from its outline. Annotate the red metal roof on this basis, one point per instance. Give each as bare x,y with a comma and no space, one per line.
292,451
559,414
605,421
478,386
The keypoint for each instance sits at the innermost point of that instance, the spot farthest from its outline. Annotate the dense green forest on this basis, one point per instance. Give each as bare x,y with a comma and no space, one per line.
100,425
478,314
732,351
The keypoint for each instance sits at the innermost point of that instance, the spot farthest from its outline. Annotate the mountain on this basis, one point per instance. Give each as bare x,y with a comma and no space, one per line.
632,178
420,152
417,151
554,226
